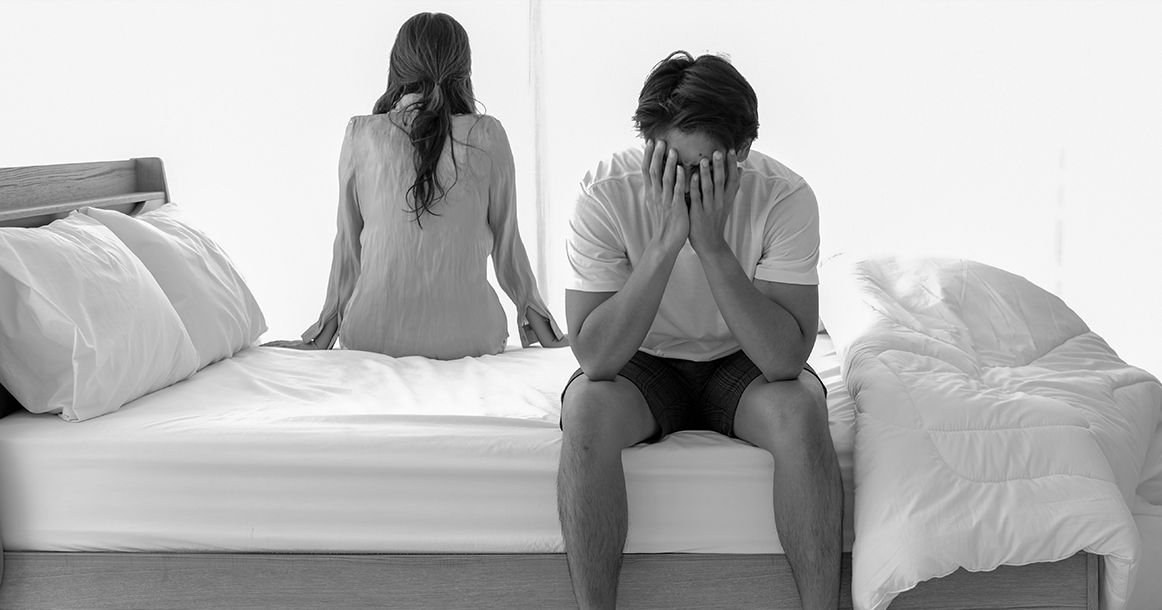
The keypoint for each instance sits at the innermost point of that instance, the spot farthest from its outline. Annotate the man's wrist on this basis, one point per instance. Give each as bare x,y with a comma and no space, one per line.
716,260
666,246
714,249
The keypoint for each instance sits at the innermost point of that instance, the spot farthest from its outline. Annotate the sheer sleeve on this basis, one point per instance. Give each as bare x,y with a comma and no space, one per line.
346,251
513,271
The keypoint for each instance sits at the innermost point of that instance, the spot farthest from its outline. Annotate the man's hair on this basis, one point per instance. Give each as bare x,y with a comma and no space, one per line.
705,94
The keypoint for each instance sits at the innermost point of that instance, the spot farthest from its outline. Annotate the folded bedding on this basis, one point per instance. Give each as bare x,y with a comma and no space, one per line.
993,427
278,450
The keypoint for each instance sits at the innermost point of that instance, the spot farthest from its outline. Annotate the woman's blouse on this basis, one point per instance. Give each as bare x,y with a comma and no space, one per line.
407,288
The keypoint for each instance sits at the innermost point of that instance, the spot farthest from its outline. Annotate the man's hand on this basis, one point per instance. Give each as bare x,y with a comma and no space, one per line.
712,192
666,194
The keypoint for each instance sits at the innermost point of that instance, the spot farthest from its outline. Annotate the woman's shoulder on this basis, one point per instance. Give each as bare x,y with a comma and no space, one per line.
362,122
377,127
479,122
483,130
359,120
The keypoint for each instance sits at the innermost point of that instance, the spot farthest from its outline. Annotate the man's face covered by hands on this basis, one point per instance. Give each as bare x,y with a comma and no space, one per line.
692,168
691,148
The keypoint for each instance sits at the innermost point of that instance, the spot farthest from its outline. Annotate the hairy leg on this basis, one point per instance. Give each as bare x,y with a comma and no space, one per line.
600,418
789,419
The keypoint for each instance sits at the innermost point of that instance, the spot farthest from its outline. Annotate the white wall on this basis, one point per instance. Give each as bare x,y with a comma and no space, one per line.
991,130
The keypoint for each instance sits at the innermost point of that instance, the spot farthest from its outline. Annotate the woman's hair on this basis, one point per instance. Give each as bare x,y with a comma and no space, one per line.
706,94
431,57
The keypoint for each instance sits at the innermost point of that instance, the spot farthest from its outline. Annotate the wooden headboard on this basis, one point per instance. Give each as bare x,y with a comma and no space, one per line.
36,195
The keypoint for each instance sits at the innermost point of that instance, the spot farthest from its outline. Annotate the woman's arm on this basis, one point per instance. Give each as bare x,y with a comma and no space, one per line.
510,261
345,256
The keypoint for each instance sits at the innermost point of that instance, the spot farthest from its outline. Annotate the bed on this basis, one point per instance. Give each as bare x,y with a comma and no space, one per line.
273,478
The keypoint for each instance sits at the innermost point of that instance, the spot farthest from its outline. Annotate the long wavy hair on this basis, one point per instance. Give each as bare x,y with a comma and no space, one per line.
431,57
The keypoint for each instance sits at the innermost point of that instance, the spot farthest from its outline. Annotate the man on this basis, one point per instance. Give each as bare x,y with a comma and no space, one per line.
694,304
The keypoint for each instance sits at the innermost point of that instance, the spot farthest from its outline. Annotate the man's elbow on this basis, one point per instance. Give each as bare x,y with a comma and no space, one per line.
782,369
596,370
594,365
772,374
599,374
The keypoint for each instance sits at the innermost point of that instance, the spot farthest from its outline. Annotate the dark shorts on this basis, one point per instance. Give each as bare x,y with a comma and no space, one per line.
688,395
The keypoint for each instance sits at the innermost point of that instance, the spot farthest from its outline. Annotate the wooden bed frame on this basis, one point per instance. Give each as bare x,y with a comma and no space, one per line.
33,196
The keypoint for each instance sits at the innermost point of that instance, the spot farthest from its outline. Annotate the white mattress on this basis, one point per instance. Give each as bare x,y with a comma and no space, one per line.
345,451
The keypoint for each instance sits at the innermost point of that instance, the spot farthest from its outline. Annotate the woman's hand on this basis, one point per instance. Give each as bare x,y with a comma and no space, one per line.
293,344
544,331
321,341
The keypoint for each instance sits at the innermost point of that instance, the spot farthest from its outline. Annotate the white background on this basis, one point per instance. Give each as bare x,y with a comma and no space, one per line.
1027,135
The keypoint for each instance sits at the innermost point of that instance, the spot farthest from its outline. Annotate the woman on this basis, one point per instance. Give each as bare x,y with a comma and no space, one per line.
427,192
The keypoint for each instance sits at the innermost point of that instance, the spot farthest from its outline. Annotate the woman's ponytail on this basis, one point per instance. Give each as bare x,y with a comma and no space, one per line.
430,128
430,57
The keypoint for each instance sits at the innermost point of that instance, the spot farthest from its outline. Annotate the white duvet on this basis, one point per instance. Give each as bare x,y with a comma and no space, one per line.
993,427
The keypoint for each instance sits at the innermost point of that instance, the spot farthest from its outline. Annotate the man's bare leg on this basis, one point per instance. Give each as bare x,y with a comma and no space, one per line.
789,419
600,418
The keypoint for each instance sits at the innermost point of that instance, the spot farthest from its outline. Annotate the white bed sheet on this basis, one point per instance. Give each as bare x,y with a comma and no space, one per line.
278,450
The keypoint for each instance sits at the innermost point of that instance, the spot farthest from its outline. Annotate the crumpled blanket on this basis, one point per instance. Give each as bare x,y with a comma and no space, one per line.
993,426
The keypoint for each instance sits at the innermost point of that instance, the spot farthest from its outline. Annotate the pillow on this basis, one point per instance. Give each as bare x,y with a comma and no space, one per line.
84,328
211,298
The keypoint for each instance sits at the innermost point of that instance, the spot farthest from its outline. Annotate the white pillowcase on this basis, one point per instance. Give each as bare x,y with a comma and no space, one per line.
84,327
213,301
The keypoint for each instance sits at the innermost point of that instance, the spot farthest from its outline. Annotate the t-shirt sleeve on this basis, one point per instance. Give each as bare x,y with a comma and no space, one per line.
791,240
595,249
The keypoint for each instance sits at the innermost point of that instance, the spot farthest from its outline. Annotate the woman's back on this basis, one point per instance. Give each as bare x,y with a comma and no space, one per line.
429,273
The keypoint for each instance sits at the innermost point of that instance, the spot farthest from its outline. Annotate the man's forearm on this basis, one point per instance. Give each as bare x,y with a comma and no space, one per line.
615,329
766,331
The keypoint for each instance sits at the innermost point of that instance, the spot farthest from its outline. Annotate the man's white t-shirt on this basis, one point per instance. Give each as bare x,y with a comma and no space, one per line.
773,230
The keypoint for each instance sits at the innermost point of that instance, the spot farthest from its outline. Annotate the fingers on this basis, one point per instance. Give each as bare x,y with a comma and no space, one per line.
648,165
720,174
702,186
653,164
679,195
290,344
672,168
696,193
709,178
732,178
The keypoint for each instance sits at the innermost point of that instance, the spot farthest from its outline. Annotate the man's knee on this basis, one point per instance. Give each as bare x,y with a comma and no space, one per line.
601,413
790,411
590,411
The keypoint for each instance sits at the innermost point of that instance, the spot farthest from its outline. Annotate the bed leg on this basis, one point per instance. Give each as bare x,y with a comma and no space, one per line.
1093,570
